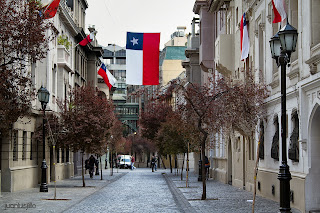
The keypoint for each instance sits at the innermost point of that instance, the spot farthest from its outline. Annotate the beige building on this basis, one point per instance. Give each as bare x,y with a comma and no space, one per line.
171,57
66,66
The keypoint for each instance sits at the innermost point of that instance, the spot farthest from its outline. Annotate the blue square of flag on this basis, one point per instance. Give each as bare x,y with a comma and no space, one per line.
134,41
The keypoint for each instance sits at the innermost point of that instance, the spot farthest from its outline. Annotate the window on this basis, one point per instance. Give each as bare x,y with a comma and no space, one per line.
24,145
15,145
237,13
31,146
275,140
119,74
67,155
315,20
294,23
294,139
121,86
120,61
58,154
62,155
261,53
54,71
261,139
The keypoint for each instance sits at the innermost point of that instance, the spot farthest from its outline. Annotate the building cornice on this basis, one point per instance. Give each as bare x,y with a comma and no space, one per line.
190,52
198,5
215,5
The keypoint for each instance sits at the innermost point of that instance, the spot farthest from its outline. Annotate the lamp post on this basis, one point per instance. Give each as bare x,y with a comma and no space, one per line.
43,96
282,45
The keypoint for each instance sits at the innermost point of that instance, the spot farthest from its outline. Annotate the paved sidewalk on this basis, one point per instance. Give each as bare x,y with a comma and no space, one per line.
221,198
70,191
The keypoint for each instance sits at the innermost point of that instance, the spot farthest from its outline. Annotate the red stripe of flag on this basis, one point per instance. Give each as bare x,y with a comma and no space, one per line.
51,9
277,16
85,41
241,33
151,58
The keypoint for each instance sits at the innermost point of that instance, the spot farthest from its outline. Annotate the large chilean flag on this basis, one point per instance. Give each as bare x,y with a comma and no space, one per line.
142,58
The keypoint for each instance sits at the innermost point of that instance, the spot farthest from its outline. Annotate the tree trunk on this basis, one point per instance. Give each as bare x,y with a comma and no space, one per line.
255,175
176,164
184,155
164,166
204,186
111,163
83,183
101,167
187,176
170,163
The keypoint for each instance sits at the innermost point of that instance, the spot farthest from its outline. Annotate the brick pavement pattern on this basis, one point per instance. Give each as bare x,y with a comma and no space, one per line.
141,190
70,189
221,198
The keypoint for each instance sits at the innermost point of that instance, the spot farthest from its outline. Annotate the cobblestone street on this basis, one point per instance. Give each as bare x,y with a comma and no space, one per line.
139,190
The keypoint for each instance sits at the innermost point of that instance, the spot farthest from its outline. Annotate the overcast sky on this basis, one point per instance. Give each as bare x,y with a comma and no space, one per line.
113,18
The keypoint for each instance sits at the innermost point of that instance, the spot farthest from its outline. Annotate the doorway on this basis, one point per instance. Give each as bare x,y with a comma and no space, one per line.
312,187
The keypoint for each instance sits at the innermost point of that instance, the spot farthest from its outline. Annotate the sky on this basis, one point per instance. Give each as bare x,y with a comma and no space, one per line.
113,18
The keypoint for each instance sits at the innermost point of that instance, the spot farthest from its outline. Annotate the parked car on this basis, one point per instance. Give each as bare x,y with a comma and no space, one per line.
125,162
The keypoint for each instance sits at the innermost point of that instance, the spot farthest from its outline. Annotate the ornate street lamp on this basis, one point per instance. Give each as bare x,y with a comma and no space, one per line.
287,37
43,96
275,46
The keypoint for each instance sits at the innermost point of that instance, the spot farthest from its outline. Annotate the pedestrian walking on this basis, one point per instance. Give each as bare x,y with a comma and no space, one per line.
132,163
92,162
153,162
97,166
207,166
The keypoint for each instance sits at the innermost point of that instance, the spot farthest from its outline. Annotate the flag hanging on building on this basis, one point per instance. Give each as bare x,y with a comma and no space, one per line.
87,39
50,10
142,58
279,11
244,38
107,76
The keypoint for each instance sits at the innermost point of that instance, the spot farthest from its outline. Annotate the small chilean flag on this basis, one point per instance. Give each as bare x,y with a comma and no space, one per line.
107,76
50,10
244,38
142,58
87,39
279,11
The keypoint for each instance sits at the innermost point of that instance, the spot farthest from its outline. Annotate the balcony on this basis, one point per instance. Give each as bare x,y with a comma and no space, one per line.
224,55
64,59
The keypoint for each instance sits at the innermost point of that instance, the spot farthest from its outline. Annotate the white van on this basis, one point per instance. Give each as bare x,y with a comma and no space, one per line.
125,162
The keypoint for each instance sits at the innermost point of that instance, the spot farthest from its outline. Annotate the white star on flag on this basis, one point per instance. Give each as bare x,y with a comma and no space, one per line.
134,41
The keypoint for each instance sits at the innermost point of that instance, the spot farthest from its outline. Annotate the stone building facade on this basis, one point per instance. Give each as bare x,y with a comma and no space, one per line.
66,67
220,38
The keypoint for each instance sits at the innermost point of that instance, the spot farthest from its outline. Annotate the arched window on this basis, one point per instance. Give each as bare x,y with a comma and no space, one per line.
294,138
261,146
275,140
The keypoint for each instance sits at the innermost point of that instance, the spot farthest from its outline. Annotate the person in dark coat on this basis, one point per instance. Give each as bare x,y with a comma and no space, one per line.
153,163
92,162
207,166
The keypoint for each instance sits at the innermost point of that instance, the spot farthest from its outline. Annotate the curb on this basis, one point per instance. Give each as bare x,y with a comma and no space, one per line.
178,196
